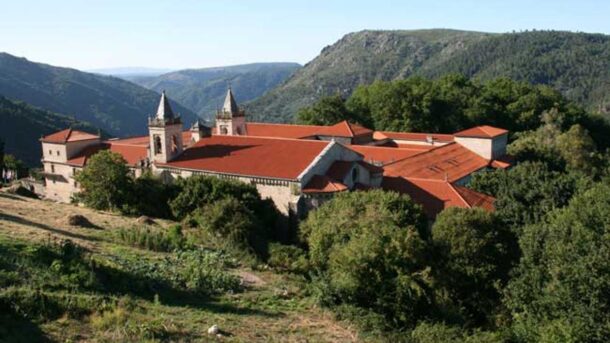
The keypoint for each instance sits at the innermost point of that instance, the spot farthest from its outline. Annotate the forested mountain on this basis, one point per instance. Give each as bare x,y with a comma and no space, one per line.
115,105
202,90
577,64
21,125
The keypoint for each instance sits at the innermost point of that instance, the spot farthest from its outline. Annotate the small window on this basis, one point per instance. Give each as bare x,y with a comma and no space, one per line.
52,169
157,142
75,184
355,175
57,152
224,130
50,152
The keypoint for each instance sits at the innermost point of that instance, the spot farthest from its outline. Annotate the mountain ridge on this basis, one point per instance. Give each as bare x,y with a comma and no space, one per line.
110,103
203,89
578,64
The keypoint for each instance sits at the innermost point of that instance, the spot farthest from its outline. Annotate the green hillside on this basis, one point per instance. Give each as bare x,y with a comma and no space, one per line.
22,125
203,90
115,105
577,64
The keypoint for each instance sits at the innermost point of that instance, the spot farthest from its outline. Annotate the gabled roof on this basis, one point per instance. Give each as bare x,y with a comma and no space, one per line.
164,111
449,162
384,155
250,156
68,135
483,131
436,195
476,199
281,130
413,136
132,154
344,129
323,184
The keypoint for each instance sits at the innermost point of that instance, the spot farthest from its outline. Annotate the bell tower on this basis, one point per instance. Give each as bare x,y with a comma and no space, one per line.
230,120
165,133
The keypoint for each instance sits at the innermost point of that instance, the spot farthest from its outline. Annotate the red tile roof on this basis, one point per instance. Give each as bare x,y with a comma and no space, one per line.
68,135
449,162
483,131
412,136
251,156
385,155
476,199
132,154
344,129
436,195
323,184
281,130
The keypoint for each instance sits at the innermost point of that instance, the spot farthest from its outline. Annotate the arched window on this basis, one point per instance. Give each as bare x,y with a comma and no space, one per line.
157,142
224,130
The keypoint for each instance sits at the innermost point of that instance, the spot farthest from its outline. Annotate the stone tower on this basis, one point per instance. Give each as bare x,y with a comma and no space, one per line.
230,120
165,133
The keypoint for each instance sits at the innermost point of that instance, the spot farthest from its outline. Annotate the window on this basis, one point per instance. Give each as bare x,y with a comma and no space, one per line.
73,171
174,144
355,175
75,184
224,130
52,169
50,152
57,152
157,142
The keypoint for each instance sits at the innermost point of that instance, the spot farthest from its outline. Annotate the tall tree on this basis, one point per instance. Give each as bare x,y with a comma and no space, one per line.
105,181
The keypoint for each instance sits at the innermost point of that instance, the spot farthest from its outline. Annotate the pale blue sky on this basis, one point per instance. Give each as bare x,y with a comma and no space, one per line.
89,34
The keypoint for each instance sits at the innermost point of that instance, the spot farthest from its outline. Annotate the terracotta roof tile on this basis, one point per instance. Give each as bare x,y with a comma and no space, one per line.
251,156
476,199
68,135
483,131
435,195
384,155
281,130
449,162
414,136
344,129
323,184
133,154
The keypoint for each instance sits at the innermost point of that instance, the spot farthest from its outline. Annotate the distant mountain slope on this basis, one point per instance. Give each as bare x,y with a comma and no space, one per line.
202,90
21,125
127,73
577,64
117,106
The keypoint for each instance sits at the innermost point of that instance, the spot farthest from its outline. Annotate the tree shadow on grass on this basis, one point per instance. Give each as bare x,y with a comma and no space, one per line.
23,221
16,329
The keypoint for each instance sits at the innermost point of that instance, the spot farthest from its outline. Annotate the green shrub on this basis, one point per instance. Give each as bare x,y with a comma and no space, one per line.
152,238
288,258
367,251
230,224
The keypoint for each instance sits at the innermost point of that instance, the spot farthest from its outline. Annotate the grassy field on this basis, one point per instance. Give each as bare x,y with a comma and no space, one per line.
267,307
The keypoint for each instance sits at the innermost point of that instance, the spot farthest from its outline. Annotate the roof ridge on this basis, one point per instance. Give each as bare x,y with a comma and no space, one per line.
278,124
349,128
453,187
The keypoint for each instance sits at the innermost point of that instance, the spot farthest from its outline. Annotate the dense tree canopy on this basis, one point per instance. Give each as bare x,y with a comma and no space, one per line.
369,252
105,181
475,254
560,292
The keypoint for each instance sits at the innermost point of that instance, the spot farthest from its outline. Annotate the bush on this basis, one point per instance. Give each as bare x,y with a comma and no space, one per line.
288,258
232,225
156,239
367,251
475,254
